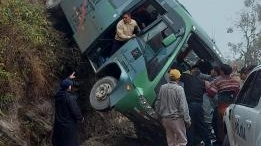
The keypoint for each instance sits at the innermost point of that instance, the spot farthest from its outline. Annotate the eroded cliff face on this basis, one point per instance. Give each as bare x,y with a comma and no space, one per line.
34,57
29,68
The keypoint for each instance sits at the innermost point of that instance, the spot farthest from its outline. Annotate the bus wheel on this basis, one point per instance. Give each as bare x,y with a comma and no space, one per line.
226,141
99,96
52,4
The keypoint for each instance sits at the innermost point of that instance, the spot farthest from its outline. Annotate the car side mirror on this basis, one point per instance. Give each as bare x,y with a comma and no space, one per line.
169,40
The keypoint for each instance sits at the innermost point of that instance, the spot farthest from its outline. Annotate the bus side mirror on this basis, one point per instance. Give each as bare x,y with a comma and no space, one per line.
169,40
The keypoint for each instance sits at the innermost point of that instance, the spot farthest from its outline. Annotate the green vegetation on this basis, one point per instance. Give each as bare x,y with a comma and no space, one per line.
27,19
29,53
30,60
6,98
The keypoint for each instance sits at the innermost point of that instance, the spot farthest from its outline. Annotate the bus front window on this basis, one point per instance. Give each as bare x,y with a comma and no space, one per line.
155,52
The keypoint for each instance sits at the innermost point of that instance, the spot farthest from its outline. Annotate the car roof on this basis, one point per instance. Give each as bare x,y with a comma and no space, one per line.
253,70
256,68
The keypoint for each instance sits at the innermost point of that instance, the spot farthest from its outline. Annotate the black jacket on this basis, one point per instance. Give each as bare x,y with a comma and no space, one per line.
67,113
194,87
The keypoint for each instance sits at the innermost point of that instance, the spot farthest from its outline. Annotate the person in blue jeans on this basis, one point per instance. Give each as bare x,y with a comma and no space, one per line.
194,88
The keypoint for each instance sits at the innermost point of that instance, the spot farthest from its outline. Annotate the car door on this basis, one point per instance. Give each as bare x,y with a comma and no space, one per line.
253,107
245,112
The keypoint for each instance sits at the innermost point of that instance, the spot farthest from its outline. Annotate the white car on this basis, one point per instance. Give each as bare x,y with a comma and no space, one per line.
243,118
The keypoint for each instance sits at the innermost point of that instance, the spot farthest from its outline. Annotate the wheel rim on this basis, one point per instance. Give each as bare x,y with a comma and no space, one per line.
102,91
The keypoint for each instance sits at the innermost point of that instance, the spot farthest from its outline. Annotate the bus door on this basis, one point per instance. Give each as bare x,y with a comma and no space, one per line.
133,58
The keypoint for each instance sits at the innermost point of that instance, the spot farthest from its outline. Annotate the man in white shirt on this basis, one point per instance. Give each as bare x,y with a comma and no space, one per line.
124,31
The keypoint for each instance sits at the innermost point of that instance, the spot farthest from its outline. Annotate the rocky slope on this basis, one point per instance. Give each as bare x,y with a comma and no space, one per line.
34,57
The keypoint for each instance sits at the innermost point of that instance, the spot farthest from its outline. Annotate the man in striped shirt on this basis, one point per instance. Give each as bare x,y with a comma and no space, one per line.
226,89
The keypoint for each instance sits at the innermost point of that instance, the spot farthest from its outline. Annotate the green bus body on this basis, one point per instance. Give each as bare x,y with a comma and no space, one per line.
93,23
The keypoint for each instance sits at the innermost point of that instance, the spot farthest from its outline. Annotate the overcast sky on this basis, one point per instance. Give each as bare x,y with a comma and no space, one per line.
215,16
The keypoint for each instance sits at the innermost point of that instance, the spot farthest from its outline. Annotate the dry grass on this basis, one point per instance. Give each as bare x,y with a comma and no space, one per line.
27,49
29,62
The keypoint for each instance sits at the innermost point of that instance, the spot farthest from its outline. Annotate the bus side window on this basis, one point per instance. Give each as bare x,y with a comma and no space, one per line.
147,13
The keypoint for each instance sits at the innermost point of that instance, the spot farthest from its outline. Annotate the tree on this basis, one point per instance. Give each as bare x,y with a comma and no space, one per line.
248,24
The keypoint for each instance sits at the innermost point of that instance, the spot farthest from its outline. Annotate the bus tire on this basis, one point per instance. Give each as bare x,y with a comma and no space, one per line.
99,96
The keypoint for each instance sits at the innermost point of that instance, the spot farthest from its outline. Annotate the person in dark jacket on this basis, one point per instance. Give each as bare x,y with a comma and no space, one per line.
194,88
67,113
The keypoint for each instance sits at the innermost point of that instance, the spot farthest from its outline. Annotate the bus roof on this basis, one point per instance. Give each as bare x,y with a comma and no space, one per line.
88,19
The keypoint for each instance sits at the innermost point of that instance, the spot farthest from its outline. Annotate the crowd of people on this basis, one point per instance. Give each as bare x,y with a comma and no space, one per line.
191,105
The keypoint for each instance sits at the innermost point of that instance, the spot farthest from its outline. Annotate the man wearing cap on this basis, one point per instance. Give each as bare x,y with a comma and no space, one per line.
172,108
67,113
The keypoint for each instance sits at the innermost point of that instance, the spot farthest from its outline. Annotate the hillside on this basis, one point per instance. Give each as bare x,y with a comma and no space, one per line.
34,57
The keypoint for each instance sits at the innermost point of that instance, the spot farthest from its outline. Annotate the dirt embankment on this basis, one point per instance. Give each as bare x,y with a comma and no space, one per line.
34,57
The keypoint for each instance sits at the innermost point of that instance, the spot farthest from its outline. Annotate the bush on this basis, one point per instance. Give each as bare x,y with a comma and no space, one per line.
6,98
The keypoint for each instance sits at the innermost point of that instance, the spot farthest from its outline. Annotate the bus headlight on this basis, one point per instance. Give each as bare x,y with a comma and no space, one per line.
128,87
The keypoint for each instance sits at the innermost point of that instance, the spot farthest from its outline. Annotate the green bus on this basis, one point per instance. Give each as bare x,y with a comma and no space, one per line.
129,79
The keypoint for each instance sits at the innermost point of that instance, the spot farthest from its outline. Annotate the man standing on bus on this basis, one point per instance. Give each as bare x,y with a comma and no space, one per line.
125,30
